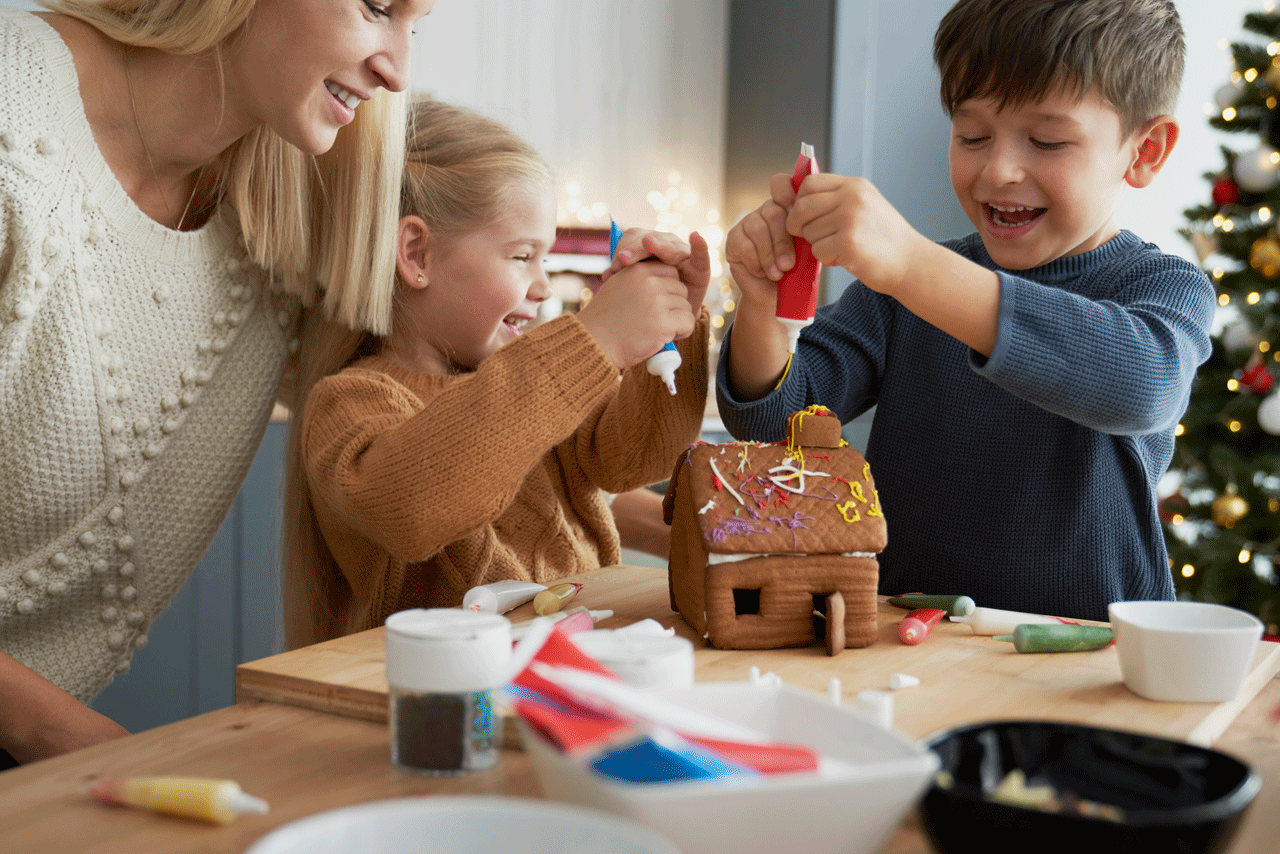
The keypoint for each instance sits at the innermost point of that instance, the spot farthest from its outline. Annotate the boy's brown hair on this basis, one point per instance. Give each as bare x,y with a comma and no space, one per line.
1018,51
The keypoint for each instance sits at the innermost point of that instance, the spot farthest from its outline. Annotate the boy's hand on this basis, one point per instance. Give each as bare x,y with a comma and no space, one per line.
850,224
638,310
759,250
692,260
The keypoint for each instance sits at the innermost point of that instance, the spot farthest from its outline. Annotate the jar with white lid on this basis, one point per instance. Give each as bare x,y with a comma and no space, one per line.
442,667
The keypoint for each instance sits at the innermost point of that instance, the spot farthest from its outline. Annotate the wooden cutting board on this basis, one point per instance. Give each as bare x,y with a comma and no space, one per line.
963,677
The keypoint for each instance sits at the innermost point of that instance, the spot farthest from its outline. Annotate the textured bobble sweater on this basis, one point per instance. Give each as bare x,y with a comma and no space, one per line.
425,486
1026,480
138,367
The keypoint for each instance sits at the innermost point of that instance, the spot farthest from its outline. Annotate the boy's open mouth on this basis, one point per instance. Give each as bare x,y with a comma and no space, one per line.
1011,216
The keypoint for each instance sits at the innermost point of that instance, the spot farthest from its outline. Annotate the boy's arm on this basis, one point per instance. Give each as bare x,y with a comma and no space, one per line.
757,250
1122,363
851,225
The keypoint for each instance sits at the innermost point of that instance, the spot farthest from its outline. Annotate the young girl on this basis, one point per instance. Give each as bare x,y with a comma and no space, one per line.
459,449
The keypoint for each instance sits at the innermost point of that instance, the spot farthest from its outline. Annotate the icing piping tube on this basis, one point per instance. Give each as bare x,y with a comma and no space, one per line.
994,621
499,597
1040,637
664,362
798,288
555,597
915,626
217,801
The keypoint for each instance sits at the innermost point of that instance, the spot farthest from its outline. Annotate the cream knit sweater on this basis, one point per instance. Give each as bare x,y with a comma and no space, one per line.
138,367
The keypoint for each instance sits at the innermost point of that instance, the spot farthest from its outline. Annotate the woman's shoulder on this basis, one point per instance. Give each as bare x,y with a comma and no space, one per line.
37,63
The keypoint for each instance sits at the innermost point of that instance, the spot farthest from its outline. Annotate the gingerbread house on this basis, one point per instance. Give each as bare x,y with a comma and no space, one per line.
774,545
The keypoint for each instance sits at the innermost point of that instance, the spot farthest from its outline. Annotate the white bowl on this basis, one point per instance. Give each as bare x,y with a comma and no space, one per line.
1184,652
461,825
850,808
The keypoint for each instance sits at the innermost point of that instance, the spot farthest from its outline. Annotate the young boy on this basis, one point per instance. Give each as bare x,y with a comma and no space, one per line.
1027,378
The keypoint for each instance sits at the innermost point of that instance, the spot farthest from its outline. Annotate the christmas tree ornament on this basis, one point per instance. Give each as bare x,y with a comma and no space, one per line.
1264,256
1256,378
1205,243
1269,414
1256,170
1239,335
1228,508
1173,507
1225,192
1228,94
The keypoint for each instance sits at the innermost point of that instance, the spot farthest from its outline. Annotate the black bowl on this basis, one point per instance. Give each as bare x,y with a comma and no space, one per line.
1171,796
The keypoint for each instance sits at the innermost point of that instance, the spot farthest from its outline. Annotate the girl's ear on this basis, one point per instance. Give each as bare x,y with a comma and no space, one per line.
413,251
1154,145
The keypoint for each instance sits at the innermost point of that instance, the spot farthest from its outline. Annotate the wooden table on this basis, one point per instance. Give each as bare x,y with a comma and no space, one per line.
964,677
303,760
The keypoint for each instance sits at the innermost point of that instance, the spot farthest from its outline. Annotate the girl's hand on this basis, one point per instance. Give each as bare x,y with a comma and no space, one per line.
692,260
638,310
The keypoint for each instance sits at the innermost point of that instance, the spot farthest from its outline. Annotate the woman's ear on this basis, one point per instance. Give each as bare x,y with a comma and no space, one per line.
1154,145
413,251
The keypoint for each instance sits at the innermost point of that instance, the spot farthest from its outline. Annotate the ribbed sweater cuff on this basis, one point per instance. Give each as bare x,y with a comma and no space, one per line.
581,372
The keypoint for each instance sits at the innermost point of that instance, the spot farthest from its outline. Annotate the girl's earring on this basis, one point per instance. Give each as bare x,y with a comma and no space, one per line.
419,278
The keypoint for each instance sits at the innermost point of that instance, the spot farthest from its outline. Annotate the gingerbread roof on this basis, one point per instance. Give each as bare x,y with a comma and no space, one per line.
812,494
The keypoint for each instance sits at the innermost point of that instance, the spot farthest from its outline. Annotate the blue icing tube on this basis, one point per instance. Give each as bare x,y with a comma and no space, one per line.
666,361
665,760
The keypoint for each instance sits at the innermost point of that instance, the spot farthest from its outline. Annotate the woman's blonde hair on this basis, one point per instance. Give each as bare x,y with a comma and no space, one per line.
460,171
326,224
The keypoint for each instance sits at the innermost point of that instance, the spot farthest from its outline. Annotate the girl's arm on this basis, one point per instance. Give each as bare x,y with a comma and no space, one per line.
635,438
414,475
638,516
39,720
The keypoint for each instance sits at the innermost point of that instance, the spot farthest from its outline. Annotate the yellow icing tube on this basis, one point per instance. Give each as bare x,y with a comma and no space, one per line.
555,598
204,798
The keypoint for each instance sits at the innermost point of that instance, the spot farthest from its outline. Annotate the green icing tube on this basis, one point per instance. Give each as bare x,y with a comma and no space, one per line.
955,606
1060,637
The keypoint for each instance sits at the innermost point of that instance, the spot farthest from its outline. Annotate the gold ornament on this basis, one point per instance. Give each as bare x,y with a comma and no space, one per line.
1228,508
1264,256
1205,244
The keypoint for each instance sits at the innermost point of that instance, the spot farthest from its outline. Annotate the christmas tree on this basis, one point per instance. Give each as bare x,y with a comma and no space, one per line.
1222,520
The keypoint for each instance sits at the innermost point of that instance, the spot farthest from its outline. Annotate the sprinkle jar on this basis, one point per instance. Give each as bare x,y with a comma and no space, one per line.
442,666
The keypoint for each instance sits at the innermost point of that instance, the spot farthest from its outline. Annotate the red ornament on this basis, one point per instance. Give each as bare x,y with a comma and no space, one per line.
1257,379
1225,192
1175,505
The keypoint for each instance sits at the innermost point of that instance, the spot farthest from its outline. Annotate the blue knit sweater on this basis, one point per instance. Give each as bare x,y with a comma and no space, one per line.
1026,480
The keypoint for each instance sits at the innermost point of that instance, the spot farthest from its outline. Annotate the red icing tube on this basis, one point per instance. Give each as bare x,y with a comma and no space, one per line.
798,288
916,625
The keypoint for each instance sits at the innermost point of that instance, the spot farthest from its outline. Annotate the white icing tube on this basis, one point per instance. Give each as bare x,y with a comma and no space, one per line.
664,364
993,621
499,597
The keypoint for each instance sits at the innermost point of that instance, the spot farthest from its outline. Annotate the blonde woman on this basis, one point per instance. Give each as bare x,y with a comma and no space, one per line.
156,157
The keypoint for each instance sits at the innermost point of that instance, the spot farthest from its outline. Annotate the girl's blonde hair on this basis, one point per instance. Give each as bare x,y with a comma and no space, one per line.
324,224
460,171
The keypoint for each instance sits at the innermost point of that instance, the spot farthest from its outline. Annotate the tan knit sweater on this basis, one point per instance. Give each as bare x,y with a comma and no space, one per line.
425,486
